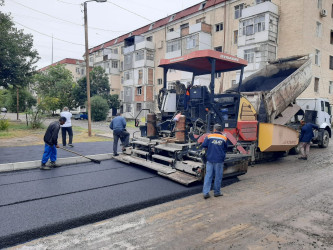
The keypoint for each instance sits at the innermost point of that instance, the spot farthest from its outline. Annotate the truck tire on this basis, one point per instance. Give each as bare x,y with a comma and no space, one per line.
294,151
324,140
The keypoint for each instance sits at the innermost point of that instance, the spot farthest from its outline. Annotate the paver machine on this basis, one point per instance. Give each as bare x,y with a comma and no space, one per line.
169,141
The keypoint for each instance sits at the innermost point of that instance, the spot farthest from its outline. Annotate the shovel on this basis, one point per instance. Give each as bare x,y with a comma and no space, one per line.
93,160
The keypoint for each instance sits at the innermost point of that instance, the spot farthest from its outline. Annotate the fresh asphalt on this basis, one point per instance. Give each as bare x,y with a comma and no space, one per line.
36,203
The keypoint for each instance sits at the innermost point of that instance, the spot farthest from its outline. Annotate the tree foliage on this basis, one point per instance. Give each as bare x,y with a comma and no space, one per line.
99,108
26,100
17,56
99,85
113,101
56,85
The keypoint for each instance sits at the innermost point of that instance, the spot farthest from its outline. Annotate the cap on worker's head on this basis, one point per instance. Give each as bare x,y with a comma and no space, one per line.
62,119
65,109
218,127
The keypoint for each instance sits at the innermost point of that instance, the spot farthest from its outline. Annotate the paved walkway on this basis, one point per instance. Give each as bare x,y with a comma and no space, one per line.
31,153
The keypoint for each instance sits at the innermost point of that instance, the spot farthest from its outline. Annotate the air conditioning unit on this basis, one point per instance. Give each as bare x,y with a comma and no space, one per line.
323,12
257,49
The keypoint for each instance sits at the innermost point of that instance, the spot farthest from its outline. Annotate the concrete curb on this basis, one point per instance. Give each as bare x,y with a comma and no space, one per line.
6,167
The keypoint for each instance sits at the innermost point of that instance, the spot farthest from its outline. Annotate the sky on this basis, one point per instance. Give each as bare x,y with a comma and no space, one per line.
57,26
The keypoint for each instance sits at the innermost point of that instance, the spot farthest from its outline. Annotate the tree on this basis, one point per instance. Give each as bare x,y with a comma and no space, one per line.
17,56
26,100
99,85
113,101
56,82
99,108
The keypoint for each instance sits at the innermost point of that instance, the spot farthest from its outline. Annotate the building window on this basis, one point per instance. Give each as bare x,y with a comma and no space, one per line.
138,107
249,55
128,75
200,20
219,48
332,11
233,83
238,11
317,57
331,62
331,36
139,55
77,70
319,4
218,27
235,36
159,81
171,85
316,85
318,29
330,88
138,91
128,108
140,74
114,64
122,49
150,56
91,59
184,26
128,59
171,30
149,38
259,23
191,42
173,46
253,25
261,1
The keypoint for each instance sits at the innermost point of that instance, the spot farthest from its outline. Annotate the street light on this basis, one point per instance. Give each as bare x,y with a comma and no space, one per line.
87,60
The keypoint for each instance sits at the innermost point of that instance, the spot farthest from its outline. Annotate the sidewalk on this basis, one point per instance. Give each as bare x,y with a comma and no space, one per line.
27,157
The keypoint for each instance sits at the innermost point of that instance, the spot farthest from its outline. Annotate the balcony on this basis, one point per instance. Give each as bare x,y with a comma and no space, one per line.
259,9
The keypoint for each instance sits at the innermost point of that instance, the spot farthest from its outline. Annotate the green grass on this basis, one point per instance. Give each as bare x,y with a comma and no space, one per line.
18,129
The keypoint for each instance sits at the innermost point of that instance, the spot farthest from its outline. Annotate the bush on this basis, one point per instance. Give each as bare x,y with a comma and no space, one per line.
4,124
36,117
99,108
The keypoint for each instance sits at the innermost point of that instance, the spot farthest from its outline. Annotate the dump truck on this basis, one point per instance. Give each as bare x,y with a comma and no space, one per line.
273,92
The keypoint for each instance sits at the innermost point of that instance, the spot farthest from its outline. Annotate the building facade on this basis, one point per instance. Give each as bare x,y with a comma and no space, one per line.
257,30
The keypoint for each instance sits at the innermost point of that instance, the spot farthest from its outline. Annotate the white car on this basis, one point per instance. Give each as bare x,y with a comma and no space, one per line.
4,110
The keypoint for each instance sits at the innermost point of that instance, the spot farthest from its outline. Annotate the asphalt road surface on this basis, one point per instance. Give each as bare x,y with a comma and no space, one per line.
286,204
36,203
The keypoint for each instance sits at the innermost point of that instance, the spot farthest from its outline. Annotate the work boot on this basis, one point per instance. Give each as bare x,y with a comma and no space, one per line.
217,195
115,154
44,167
71,145
54,165
206,196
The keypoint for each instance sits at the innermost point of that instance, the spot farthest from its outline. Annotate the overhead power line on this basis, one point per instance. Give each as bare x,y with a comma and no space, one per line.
47,34
64,19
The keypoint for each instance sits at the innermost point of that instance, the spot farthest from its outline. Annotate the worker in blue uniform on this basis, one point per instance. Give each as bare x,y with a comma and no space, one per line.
305,138
118,125
216,145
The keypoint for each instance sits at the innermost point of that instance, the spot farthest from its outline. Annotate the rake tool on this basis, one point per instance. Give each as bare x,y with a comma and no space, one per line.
93,160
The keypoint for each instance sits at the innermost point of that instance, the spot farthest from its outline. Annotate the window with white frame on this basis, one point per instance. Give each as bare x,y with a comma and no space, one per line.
139,55
253,25
127,75
191,42
114,64
128,92
330,88
233,83
317,57
318,29
173,46
238,11
77,70
150,56
171,85
331,62
140,72
149,38
249,55
218,27
138,90
235,36
128,59
91,59
128,108
159,81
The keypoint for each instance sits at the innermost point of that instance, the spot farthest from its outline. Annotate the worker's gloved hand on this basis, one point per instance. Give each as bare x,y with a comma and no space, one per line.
203,152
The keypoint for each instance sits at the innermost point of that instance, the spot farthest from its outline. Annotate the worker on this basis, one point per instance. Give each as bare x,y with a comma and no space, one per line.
216,147
67,127
305,138
187,97
51,144
118,125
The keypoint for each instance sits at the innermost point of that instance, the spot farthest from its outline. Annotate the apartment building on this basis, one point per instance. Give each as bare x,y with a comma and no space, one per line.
256,30
75,66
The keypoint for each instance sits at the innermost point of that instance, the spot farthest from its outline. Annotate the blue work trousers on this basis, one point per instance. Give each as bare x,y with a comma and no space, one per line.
50,152
213,170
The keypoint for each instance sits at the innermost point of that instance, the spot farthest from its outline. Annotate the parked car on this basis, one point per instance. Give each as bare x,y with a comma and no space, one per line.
81,116
4,110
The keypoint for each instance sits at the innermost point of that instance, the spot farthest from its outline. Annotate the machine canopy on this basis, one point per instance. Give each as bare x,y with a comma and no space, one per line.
199,62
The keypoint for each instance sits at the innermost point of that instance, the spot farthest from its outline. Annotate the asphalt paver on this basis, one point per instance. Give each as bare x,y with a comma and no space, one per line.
32,153
36,203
